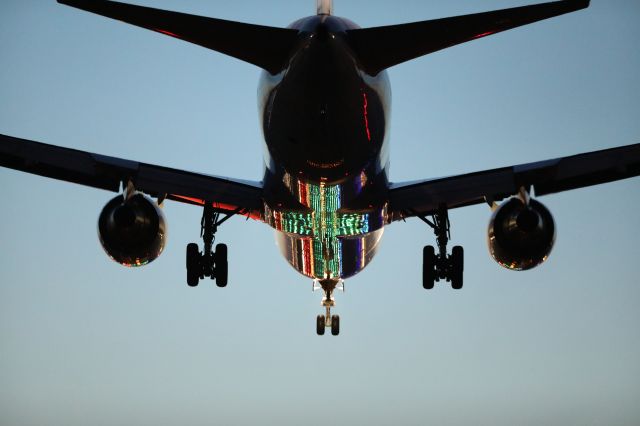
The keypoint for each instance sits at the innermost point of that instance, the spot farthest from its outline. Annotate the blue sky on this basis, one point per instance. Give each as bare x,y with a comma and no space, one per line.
85,341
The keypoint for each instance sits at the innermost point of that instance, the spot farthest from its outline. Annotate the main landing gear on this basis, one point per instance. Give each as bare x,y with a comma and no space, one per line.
440,266
328,321
208,263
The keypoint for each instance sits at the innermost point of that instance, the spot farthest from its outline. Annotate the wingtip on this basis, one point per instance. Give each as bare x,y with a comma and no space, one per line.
583,4
78,3
576,4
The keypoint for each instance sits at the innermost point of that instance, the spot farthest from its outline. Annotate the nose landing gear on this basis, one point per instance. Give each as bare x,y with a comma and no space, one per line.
328,321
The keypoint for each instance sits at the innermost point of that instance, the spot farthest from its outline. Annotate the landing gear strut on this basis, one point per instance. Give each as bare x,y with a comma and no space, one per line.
328,321
208,263
440,266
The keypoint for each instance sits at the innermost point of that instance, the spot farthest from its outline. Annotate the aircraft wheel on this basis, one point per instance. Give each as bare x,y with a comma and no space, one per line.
193,265
320,325
457,267
222,265
335,325
428,267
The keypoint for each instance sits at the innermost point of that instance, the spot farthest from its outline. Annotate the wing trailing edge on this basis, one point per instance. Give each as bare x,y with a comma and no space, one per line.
379,48
266,47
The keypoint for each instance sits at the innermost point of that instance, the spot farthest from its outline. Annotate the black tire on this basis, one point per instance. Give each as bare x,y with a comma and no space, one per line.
457,267
335,325
320,325
193,265
428,267
222,265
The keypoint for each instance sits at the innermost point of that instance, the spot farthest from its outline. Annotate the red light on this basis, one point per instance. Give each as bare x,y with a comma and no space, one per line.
169,33
483,34
307,256
189,199
303,194
227,207
366,116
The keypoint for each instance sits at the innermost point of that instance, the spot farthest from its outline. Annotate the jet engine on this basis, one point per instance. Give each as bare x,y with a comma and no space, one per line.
132,231
521,236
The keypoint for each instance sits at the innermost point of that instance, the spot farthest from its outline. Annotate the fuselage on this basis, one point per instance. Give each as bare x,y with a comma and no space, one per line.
325,126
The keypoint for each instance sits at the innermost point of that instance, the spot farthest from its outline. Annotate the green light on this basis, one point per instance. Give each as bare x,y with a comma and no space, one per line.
324,224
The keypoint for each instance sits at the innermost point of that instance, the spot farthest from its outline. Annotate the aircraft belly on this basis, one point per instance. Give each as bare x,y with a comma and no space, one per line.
329,257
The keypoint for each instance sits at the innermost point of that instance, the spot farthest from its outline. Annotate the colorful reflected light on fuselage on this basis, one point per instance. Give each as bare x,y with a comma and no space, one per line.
324,121
317,239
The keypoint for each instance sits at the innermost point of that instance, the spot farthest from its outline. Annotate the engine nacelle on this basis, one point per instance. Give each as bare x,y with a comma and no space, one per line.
132,232
521,237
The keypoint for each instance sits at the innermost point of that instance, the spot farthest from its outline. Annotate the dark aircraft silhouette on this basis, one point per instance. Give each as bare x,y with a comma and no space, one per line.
324,101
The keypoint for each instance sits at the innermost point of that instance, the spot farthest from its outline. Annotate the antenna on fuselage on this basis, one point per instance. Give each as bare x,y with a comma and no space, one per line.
325,7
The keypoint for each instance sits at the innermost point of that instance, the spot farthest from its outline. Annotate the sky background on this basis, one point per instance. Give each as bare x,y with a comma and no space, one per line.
86,341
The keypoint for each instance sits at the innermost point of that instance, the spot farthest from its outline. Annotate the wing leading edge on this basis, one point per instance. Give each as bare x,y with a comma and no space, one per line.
379,48
266,47
545,177
109,173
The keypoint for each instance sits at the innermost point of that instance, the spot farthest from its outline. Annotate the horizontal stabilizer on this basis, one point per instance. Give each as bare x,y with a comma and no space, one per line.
379,48
266,47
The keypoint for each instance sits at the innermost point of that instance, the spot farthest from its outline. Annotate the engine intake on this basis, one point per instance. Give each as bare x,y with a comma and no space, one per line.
132,232
521,237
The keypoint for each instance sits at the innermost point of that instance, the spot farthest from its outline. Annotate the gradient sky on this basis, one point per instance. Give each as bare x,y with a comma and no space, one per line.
85,341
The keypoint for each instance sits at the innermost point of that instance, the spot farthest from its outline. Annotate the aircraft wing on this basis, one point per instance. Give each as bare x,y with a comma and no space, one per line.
546,177
101,171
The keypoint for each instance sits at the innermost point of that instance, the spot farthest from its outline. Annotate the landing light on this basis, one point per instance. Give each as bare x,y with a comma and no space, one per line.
315,285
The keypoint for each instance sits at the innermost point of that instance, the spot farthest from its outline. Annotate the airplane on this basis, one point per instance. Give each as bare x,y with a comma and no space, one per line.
324,107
